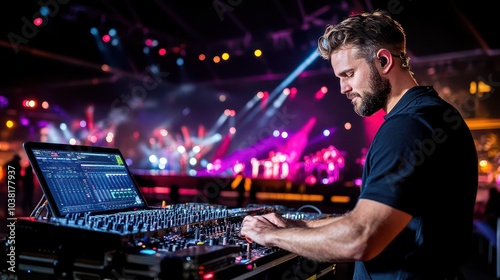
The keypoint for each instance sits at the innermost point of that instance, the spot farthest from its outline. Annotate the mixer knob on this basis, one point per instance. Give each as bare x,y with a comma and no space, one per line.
109,226
130,227
119,227
140,225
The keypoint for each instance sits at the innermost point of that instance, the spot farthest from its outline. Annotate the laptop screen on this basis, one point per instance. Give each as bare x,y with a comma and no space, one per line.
81,179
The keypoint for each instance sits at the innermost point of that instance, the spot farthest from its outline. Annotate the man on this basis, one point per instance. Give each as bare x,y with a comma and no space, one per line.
414,215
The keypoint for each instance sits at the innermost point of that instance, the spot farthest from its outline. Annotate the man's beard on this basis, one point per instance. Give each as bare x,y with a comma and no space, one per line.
376,98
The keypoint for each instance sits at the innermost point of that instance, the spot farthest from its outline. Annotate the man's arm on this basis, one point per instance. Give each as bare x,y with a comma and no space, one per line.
280,221
359,235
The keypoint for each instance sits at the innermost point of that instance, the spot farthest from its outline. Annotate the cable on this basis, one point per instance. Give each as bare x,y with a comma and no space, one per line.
38,205
310,206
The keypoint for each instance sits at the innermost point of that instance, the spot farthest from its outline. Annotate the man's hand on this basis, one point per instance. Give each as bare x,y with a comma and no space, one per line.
259,228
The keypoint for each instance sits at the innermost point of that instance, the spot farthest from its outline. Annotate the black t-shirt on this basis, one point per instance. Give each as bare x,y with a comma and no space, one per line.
422,161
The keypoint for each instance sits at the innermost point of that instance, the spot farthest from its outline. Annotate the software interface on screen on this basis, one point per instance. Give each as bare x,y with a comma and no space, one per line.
87,182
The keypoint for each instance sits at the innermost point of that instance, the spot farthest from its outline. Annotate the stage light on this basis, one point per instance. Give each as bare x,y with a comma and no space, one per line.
181,149
192,161
94,31
276,93
196,149
93,139
9,124
162,51
257,53
326,132
153,68
180,61
208,276
216,59
163,160
286,91
112,32
222,98
44,11
276,133
347,126
148,42
232,130
106,38
284,134
83,123
202,57
109,137
225,56
321,93
45,105
72,141
483,87
293,92
63,126
260,94
38,21
25,121
29,103
115,42
153,159
479,87
473,87
238,167
163,132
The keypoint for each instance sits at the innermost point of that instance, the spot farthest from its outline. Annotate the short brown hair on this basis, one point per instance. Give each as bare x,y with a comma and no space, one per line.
367,32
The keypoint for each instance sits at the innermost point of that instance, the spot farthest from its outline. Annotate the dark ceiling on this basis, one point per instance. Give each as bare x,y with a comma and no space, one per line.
63,53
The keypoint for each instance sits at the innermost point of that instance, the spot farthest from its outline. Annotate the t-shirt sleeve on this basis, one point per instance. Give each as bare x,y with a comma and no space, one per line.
393,171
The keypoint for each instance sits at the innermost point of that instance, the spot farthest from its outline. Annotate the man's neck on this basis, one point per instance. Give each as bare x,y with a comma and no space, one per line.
399,89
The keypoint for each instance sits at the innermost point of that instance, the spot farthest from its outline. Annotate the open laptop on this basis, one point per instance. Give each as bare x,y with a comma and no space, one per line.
84,179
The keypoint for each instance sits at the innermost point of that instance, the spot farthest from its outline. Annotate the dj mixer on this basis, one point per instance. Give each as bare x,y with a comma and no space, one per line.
180,241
